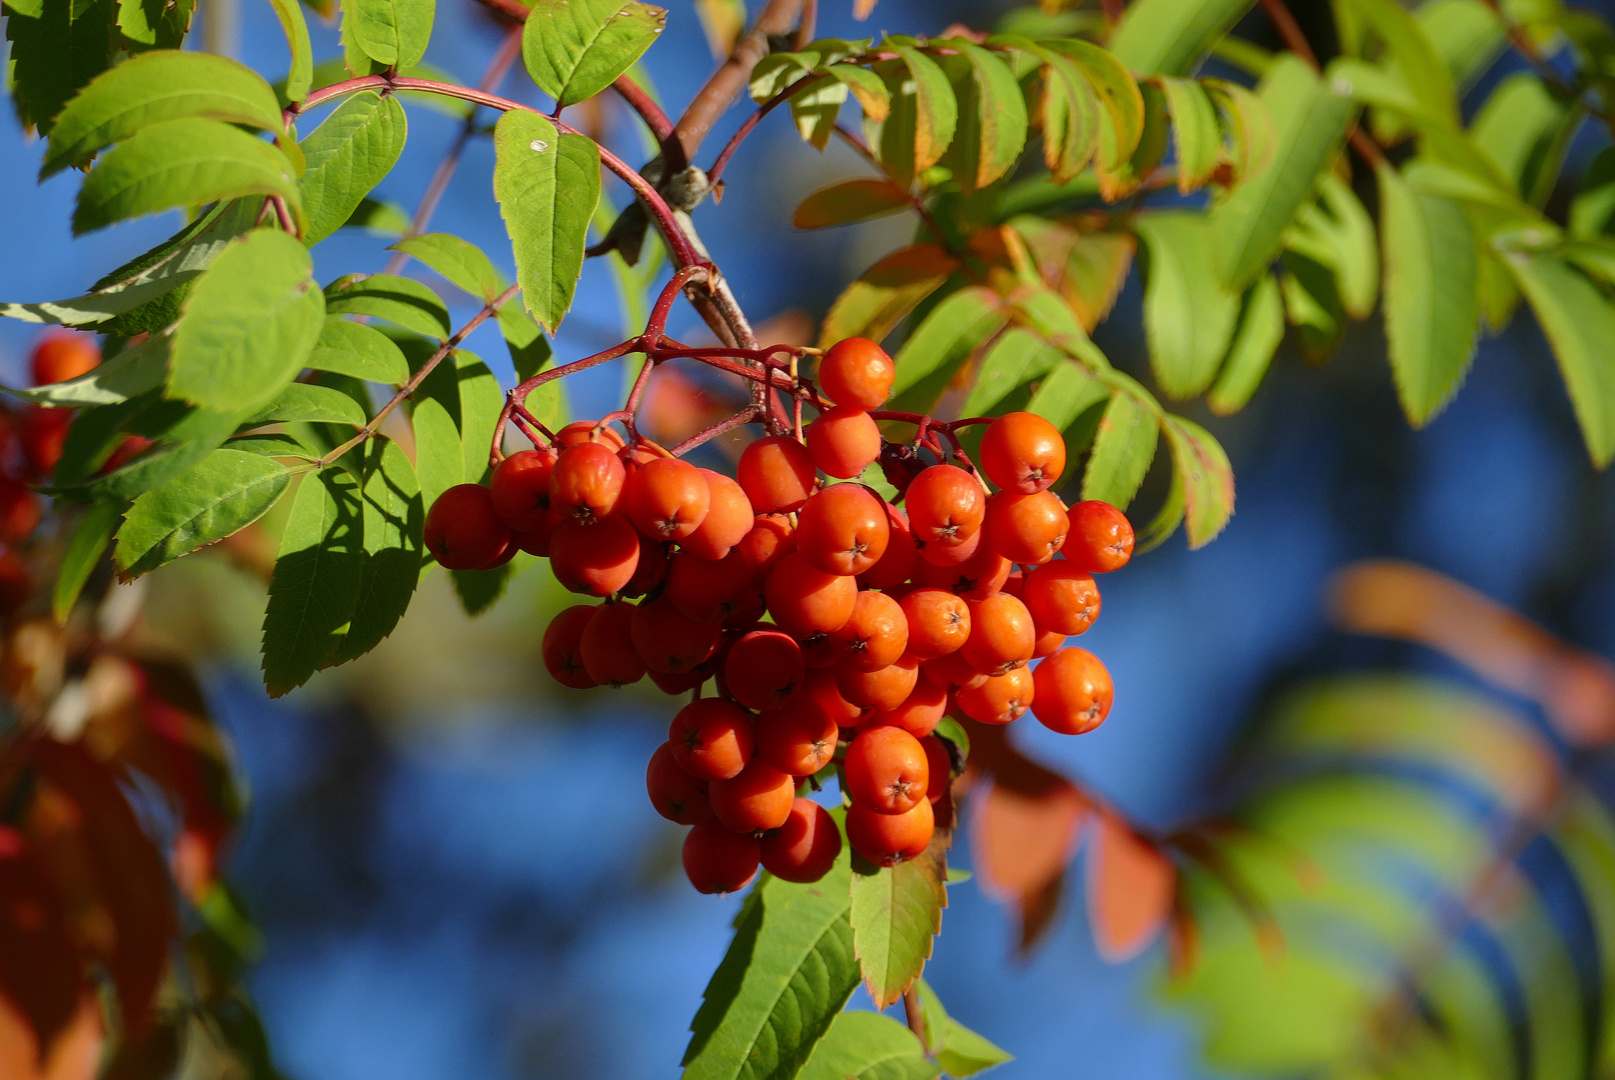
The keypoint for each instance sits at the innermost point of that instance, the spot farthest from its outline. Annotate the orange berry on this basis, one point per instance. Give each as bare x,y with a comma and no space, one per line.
43,434
463,532
668,640
676,795
798,738
805,600
1000,699
63,355
729,518
772,537
901,558
20,511
949,556
1099,538
875,636
920,712
821,691
582,431
804,848
843,442
586,481
1026,528
819,650
1022,452
1047,641
886,688
940,764
704,590
889,839
651,569
748,611
945,505
712,739
953,673
764,669
719,861
776,474
938,622
843,529
521,489
1001,635
608,646
1074,691
886,770
977,578
756,799
682,682
666,498
563,647
1061,596
595,558
857,372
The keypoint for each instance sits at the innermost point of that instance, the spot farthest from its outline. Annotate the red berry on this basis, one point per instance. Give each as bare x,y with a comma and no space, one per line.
1000,698
940,764
704,590
463,532
712,739
666,498
920,712
676,795
729,518
776,474
764,669
843,442
1099,538
1026,528
608,647
595,558
756,799
719,861
586,481
805,600
521,489
977,578
843,529
563,647
1001,635
798,738
938,622
1061,596
886,688
886,770
805,847
945,505
901,558
63,355
889,839
875,636
1074,691
669,641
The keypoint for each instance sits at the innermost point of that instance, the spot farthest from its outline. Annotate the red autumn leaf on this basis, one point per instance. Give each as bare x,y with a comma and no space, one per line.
1130,889
40,969
73,1055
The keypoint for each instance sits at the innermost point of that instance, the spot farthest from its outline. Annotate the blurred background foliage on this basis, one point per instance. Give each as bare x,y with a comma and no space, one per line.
1384,799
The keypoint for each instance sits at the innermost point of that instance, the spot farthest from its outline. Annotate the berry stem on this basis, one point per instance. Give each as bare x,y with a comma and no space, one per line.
744,416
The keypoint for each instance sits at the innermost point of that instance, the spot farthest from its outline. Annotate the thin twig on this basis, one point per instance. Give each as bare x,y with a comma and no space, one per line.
714,98
914,1013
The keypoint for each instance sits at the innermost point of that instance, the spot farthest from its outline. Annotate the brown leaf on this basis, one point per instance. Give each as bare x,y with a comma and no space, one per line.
41,971
1131,885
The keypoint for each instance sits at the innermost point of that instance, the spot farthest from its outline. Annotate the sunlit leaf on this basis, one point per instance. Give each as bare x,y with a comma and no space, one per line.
1123,448
226,492
1208,480
1256,339
576,48
393,33
896,912
1189,314
869,1046
1166,37
848,201
348,155
876,302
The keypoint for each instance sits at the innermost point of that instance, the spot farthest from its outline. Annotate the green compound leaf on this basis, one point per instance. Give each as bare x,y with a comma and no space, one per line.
868,1046
920,122
896,912
1309,120
1432,301
1195,128
1121,123
1015,359
547,185
249,324
184,162
849,201
1579,323
960,1051
153,24
228,491
300,79
348,155
945,340
1261,329
315,588
1167,37
1188,314
91,535
394,516
1206,479
393,33
480,403
992,121
786,976
185,436
359,351
402,301
576,48
151,88
1123,448
461,262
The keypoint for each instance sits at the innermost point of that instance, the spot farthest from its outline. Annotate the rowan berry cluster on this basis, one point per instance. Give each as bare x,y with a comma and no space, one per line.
880,620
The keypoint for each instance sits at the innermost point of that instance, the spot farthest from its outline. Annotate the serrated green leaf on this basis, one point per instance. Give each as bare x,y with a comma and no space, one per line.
56,48
883,295
359,351
1167,37
151,88
547,186
306,401
1121,124
315,589
896,913
1416,61
461,262
779,71
868,1046
273,444
130,373
576,48
183,162
921,119
1195,129
88,542
1166,520
348,155
529,348
1064,394
1016,358
153,24
1069,110
1352,245
991,118
1207,478
1309,120
1122,451
393,33
1260,330
1518,128
947,337
866,86
1118,181
226,492
300,79
848,201
960,1051
394,515
816,109
401,301
481,401
1313,306
786,976
1189,314
1432,307
1579,324
249,324
1247,124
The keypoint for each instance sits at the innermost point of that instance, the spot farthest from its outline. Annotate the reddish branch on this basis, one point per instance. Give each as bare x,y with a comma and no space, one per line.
779,17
